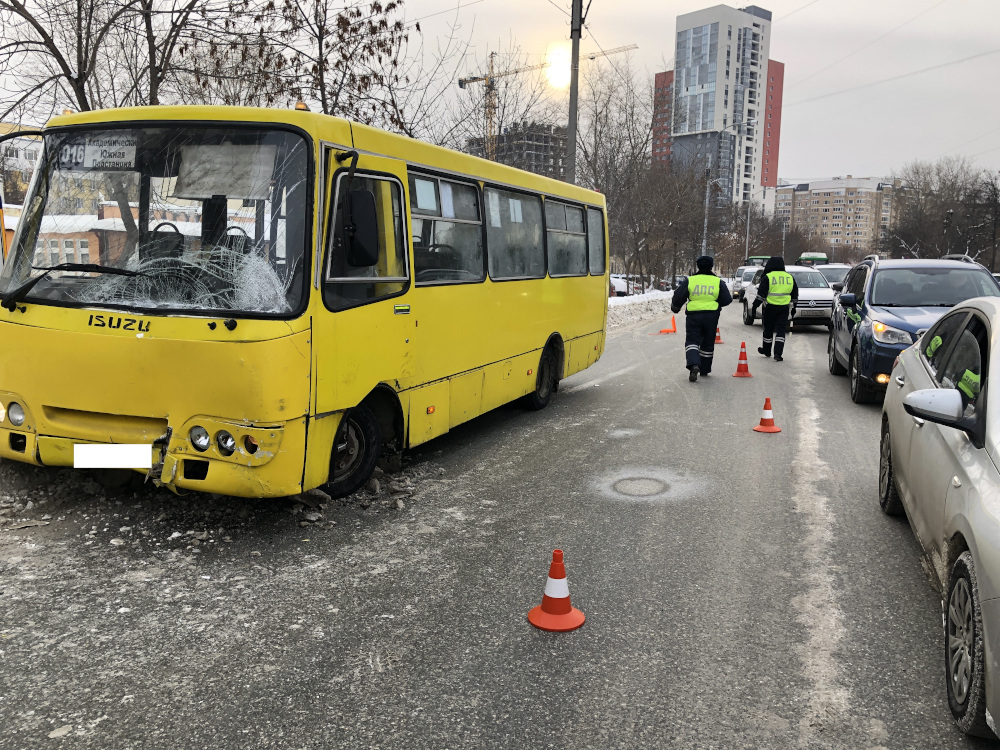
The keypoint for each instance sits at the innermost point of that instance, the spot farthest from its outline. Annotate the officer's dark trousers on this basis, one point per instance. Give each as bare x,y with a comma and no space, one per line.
699,339
775,324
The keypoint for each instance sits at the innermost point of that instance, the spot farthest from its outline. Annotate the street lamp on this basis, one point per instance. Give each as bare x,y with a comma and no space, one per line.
709,181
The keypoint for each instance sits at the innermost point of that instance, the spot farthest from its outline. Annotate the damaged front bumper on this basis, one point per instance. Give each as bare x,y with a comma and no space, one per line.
267,460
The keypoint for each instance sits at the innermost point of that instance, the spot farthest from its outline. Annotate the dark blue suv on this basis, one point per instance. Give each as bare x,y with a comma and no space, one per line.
885,306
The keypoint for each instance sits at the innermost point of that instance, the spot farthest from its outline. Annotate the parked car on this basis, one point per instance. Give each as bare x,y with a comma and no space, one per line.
744,275
886,305
938,458
815,297
620,285
834,272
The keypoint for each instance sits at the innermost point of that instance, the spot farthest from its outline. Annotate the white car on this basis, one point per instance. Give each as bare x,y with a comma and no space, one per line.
939,453
620,284
835,272
815,304
744,275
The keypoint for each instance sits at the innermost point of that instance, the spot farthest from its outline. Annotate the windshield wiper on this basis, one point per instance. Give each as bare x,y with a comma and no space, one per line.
10,300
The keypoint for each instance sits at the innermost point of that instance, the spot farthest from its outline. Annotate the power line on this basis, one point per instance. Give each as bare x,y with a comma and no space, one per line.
893,78
803,7
625,80
559,8
973,140
866,46
449,10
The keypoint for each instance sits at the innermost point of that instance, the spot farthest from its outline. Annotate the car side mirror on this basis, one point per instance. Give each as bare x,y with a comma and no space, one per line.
837,286
361,228
848,300
938,405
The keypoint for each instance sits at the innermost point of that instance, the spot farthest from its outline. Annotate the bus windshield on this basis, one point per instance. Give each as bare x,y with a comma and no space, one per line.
199,217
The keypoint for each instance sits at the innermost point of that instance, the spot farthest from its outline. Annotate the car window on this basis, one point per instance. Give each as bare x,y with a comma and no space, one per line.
810,280
856,283
748,276
757,275
936,342
964,368
834,275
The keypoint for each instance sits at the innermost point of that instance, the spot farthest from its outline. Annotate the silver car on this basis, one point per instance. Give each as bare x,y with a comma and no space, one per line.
939,453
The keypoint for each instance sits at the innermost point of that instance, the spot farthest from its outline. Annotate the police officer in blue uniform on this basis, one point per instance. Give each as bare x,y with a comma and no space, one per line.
705,295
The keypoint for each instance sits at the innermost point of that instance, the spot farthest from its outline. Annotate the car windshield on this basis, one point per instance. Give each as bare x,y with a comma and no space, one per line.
208,218
810,280
834,275
930,287
748,276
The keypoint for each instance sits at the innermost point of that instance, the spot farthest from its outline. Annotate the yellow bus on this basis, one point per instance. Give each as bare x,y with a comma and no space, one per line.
274,299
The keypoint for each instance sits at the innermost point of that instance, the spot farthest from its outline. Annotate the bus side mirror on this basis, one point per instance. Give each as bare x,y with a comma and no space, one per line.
361,229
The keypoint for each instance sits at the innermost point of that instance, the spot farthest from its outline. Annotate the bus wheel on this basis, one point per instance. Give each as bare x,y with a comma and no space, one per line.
355,452
545,383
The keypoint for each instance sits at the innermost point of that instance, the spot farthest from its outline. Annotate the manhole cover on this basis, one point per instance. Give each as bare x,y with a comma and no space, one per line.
640,486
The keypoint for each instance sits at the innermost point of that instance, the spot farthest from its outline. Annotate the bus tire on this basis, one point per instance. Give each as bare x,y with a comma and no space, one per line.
355,452
545,382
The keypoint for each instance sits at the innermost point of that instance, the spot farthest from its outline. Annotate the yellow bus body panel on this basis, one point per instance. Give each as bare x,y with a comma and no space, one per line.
459,350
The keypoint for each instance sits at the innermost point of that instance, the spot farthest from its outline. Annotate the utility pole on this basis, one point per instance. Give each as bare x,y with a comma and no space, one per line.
708,187
575,30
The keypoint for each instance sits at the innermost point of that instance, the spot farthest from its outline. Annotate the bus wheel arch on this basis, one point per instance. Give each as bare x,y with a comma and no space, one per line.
370,430
385,405
558,350
551,366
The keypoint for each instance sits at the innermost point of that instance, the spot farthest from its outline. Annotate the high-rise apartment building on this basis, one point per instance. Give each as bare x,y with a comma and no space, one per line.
849,214
663,99
725,101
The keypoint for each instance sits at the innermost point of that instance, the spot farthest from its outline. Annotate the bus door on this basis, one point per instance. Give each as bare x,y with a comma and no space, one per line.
363,335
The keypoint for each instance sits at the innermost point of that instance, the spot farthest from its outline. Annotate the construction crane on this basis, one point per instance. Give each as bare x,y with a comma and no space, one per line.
489,78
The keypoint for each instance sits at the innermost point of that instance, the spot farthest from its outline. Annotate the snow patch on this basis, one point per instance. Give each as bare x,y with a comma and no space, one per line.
624,311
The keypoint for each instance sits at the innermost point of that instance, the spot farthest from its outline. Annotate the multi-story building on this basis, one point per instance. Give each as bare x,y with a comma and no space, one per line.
663,100
17,161
727,97
850,214
533,146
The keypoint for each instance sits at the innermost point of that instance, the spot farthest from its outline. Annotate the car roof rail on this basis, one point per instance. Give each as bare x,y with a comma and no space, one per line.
872,257
959,256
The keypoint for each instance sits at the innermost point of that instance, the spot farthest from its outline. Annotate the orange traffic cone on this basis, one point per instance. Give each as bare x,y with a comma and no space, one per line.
767,419
672,329
718,336
555,613
743,369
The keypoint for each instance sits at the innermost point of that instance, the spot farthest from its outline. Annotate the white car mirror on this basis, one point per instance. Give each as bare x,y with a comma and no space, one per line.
940,405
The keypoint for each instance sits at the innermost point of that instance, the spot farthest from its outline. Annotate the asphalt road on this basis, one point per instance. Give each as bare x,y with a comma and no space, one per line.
741,590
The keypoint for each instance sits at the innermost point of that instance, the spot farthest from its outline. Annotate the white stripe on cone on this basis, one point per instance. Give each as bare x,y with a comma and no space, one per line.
767,415
556,588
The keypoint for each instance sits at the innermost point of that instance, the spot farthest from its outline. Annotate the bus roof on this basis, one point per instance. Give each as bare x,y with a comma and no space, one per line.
346,134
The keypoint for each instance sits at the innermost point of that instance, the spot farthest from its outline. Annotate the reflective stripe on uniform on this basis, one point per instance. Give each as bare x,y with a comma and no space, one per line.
969,384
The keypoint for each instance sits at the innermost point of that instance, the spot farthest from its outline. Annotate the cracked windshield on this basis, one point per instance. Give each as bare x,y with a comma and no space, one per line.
165,218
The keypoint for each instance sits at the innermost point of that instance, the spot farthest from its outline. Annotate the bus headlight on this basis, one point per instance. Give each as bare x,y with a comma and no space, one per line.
226,442
199,438
15,413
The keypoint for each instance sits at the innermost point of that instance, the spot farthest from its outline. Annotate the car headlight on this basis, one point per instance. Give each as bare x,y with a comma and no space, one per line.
226,443
15,413
888,335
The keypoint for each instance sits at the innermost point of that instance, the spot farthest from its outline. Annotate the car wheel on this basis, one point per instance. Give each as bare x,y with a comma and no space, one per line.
748,316
355,452
860,393
888,497
963,650
831,354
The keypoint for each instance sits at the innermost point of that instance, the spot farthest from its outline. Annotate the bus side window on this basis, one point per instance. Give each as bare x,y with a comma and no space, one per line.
345,285
595,240
514,235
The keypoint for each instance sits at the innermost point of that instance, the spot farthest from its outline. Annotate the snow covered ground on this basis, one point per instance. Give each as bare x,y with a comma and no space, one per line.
623,311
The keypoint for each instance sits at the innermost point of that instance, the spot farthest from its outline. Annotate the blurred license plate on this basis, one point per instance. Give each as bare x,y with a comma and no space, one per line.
814,313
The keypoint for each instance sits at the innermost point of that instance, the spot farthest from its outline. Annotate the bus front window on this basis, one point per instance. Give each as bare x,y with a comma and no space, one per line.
198,217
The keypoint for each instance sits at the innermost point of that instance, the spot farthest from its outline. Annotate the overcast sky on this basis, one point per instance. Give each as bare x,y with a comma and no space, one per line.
867,131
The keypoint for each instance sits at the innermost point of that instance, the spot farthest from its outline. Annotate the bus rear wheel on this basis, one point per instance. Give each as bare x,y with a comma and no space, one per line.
545,383
355,452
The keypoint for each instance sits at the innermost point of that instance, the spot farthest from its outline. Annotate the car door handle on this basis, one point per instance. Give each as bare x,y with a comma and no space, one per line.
900,381
919,421
956,481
